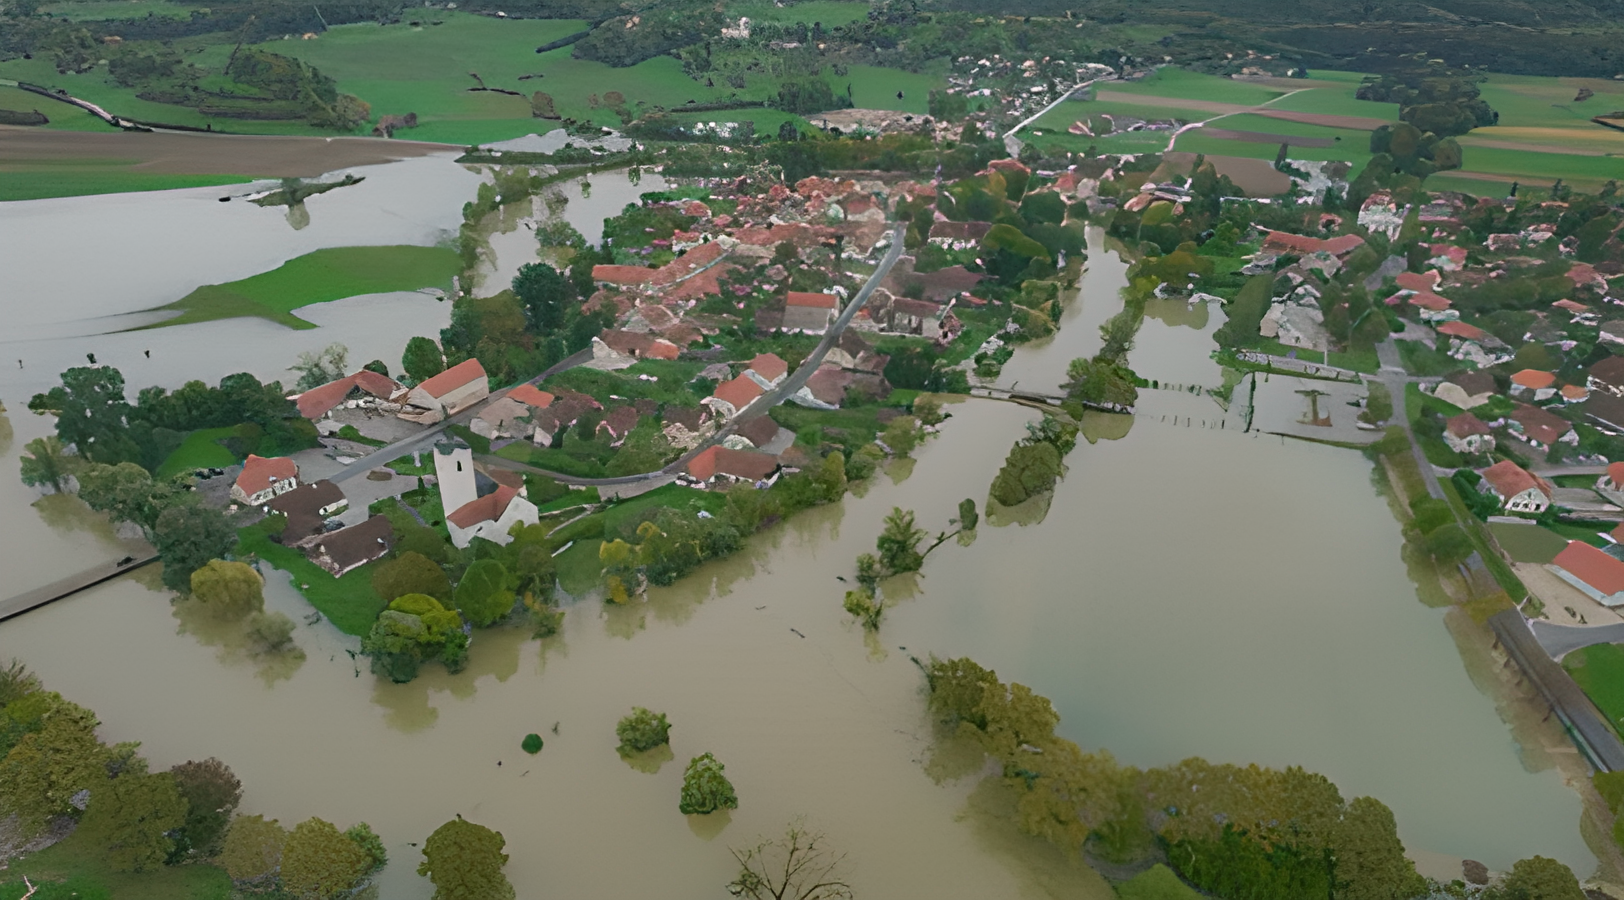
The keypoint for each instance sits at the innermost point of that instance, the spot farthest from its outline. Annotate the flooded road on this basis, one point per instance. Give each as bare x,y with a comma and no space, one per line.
1192,591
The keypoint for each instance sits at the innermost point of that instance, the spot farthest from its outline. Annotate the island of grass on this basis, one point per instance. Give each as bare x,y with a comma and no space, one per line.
319,277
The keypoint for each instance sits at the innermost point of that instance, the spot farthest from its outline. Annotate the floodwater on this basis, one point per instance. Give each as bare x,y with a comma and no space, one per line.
1192,591
512,237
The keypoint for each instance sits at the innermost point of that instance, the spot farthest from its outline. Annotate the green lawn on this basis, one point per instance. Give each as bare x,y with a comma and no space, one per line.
1157,883
201,450
1580,171
72,870
1599,670
1354,149
1339,101
579,570
873,87
1185,85
1579,533
331,274
1358,361
349,602
1528,543
95,10
37,182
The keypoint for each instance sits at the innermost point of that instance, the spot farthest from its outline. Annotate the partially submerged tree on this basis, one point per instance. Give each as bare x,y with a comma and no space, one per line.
797,866
317,368
252,850
188,536
899,542
705,789
211,793
465,861
47,463
320,862
229,590
642,730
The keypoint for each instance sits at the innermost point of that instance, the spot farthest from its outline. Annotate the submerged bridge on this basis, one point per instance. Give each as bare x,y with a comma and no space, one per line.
73,584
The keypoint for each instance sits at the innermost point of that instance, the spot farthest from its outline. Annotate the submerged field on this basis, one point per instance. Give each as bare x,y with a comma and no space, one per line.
318,277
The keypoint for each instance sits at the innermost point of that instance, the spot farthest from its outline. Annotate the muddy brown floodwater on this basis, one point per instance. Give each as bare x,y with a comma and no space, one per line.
1192,591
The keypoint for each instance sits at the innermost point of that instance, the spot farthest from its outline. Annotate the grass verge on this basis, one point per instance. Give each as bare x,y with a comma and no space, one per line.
1599,671
349,602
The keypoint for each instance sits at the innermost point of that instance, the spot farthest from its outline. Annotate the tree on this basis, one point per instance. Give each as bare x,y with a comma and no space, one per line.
830,477
1101,381
465,861
1449,544
1030,469
231,590
414,628
796,866
253,848
411,573
1370,861
319,861
129,817
126,493
902,435
483,594
47,462
899,542
187,537
271,632
44,771
422,359
211,793
545,296
327,364
361,833
1538,878
705,789
968,518
642,730
91,413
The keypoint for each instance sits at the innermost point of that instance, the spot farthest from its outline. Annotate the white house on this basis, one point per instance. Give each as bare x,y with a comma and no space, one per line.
1467,433
1587,568
490,517
1517,489
447,393
263,478
454,470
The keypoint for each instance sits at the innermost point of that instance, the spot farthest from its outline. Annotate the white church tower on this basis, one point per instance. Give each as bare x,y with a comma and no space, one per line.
454,467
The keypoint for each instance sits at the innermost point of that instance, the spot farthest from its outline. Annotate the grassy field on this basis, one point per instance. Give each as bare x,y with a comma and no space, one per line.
201,450
35,182
1535,167
1336,101
828,12
349,602
1180,84
94,10
318,277
1528,543
72,870
1599,670
873,87
62,116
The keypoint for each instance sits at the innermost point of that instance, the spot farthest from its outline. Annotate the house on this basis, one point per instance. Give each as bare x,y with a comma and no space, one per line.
631,345
307,508
809,313
1573,393
262,478
731,397
1613,481
490,517
852,352
1587,568
755,434
1517,489
500,418
1607,376
622,276
1540,428
1466,433
958,235
531,396
349,548
1541,385
767,370
1469,343
1280,243
687,426
721,465
618,423
317,402
447,393
1466,390
1607,411
1612,331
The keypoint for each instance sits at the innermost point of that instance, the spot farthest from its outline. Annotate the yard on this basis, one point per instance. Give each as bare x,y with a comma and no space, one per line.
201,450
348,602
70,870
1599,670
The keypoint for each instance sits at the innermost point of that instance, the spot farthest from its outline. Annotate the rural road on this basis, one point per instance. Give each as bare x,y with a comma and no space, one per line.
74,583
1560,640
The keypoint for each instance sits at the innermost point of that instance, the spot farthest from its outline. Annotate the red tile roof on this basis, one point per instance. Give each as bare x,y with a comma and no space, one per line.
1419,282
1591,566
1462,330
816,301
455,377
769,366
1302,244
1533,378
319,401
746,464
738,392
1465,425
1509,479
1615,474
1539,425
488,508
625,276
1429,300
530,395
259,473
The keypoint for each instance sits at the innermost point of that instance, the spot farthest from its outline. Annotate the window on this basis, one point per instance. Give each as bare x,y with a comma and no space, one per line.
459,465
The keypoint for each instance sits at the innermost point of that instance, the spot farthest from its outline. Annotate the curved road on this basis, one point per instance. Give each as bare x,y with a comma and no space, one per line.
1560,640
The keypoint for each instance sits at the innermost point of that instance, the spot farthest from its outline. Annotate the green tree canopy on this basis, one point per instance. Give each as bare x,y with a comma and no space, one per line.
188,536
319,861
642,730
91,412
253,848
211,793
129,819
483,594
422,359
230,590
705,789
1539,878
411,573
1370,861
46,463
898,543
465,861
545,295
1101,381
46,768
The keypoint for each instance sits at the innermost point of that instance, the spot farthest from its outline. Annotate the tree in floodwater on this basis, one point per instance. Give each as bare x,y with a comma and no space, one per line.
899,542
422,359
797,866
1537,878
188,536
47,463
705,789
465,861
327,364
91,413
230,590
252,850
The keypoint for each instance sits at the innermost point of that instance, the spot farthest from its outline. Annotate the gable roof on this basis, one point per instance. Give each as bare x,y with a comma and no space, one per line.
319,401
1591,566
769,366
758,431
1533,378
530,395
738,392
746,464
1539,425
307,499
347,548
488,508
623,275
1615,474
1473,383
1509,479
1465,425
1418,281
455,377
1609,371
1461,330
259,473
815,301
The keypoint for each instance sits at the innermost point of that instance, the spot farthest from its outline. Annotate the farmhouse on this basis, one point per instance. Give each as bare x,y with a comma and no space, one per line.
810,313
262,478
1517,489
348,548
317,402
767,370
1541,428
447,393
1467,433
720,465
731,397
1587,568
531,396
307,508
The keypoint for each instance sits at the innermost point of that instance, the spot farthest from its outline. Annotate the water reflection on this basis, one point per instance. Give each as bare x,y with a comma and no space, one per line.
237,646
649,761
708,826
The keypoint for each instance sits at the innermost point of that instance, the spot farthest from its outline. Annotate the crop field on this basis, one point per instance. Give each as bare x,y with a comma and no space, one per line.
1180,84
36,181
318,277
1543,134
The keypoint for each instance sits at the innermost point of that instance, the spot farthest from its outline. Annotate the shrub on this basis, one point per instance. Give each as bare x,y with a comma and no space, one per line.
643,730
705,789
531,743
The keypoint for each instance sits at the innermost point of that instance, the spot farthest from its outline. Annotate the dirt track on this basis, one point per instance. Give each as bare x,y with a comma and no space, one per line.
207,154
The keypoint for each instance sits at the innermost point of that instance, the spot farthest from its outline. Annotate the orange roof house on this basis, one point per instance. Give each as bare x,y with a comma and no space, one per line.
1587,568
319,401
732,465
810,313
622,276
731,397
530,395
1534,379
1613,481
1519,490
769,367
263,478
1462,330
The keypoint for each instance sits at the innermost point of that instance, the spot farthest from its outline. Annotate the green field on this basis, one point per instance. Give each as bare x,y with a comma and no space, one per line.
1599,670
72,871
1543,168
1528,543
201,450
35,182
94,10
1184,85
62,116
873,87
1337,101
828,12
318,277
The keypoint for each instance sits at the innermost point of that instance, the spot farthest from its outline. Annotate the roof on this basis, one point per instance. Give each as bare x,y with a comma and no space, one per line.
1539,425
1609,371
1429,300
758,431
1473,383
1509,479
620,420
1462,330
455,377
769,366
488,508
307,499
746,464
1574,392
815,301
1615,474
689,417
1591,566
1465,425
623,275
530,395
1419,282
1534,378
259,473
1302,244
738,392
347,548
828,384
319,401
